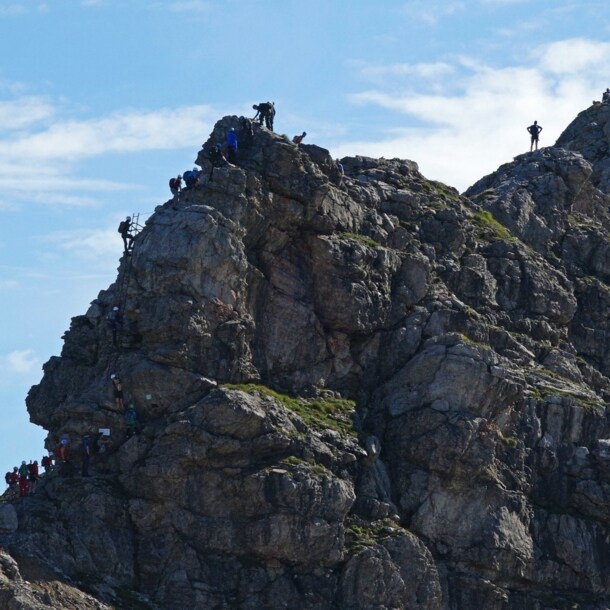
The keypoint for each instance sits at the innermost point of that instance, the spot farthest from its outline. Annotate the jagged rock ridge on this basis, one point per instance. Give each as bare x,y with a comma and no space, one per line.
357,393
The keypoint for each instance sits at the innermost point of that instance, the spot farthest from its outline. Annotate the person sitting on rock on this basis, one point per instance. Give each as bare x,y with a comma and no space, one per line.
127,237
131,417
175,185
232,145
534,131
299,139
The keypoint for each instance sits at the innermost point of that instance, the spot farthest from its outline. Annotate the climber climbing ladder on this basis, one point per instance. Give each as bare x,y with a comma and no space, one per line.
125,272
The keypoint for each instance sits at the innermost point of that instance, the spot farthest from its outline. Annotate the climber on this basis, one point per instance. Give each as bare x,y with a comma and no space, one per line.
131,417
217,159
191,178
7,478
246,132
47,462
115,322
117,388
175,184
23,480
33,476
123,229
265,111
606,95
232,145
61,451
299,139
534,130
86,454
14,478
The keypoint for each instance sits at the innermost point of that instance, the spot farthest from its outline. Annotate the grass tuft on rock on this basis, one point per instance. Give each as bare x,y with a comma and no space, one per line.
321,414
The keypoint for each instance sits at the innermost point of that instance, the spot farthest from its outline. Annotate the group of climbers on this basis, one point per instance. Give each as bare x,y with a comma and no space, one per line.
24,477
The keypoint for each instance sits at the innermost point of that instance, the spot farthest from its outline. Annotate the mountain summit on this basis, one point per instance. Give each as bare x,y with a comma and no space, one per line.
354,392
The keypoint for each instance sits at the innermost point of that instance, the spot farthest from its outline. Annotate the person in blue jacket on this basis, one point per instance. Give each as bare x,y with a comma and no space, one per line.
232,145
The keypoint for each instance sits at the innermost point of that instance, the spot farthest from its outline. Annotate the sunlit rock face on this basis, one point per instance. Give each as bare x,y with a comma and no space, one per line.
359,391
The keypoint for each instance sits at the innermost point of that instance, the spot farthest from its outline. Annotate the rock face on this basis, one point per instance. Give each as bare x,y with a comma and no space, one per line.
354,393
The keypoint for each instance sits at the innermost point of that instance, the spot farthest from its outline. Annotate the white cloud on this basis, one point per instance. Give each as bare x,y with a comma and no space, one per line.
24,112
431,71
463,135
33,134
89,244
574,56
124,131
20,362
431,11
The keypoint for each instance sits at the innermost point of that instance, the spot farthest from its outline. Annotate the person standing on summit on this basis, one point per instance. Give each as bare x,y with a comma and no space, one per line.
534,131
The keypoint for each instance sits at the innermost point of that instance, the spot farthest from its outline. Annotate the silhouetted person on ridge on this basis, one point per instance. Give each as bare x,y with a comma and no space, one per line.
123,229
606,95
299,139
265,111
534,131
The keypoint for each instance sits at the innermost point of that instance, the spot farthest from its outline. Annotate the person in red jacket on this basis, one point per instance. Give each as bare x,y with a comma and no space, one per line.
47,463
14,478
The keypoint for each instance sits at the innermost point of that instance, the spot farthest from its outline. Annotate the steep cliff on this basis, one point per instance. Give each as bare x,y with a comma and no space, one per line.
358,392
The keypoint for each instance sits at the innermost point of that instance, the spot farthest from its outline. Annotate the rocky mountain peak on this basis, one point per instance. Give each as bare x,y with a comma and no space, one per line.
355,390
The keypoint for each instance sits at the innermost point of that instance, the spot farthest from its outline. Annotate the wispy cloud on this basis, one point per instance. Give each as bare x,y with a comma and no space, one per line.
89,244
432,11
16,9
34,132
20,362
481,123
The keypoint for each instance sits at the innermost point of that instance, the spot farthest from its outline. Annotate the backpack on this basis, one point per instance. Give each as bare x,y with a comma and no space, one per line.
122,227
172,183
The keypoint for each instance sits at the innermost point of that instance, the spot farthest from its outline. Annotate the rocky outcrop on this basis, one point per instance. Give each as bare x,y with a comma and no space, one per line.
357,392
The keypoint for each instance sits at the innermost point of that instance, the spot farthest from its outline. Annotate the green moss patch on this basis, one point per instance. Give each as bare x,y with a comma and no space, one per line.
489,229
320,414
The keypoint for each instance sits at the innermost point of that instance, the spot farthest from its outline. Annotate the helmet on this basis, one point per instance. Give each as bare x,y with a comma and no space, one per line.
232,129
112,376
131,406
128,218
179,176
115,308
23,462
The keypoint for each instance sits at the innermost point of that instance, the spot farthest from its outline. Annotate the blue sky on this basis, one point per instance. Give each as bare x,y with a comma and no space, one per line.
101,101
